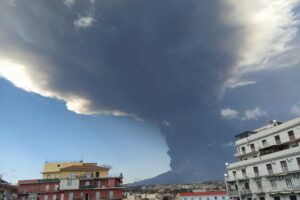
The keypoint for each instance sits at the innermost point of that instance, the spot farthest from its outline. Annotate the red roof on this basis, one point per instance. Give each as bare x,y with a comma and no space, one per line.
28,181
84,167
207,193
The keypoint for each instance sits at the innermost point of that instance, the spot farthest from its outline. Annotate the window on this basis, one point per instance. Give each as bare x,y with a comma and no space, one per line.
46,197
48,176
88,174
298,161
98,183
207,198
243,150
71,196
269,168
293,197
111,195
288,182
291,135
72,175
54,197
247,186
234,173
276,198
47,188
274,184
244,172
264,143
69,182
252,147
258,183
216,198
277,139
97,174
261,198
24,189
256,172
87,183
97,195
284,166
56,187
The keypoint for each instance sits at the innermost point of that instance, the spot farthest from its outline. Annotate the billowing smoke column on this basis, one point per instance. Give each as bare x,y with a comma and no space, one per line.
166,62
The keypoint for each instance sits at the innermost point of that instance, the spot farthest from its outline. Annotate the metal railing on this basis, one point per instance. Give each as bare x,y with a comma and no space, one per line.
233,193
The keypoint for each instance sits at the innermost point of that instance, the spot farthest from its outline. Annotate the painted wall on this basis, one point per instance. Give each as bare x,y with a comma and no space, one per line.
52,168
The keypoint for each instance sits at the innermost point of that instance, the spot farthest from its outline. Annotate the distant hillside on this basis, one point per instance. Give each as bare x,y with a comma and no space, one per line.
171,177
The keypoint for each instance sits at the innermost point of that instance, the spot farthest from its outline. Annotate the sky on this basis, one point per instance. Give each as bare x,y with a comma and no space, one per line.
156,89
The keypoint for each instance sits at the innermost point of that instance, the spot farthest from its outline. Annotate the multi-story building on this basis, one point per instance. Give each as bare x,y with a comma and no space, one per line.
72,180
7,191
205,195
269,163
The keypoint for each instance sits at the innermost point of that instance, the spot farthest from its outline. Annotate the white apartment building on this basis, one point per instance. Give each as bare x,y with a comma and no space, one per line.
269,163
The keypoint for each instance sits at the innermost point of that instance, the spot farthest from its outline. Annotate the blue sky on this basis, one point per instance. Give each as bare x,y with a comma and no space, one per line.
35,129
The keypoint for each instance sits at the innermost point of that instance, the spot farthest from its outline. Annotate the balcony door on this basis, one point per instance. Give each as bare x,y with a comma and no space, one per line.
111,195
277,139
284,166
291,135
270,169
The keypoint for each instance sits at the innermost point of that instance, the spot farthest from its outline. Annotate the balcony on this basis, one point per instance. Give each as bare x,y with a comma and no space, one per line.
233,193
87,186
245,192
270,172
285,169
264,158
285,189
244,153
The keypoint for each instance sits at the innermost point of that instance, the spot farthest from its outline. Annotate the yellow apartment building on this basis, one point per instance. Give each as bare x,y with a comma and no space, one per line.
59,170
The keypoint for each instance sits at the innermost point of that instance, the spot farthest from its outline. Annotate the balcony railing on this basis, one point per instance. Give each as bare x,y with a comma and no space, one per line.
233,193
283,189
245,191
285,169
88,186
270,172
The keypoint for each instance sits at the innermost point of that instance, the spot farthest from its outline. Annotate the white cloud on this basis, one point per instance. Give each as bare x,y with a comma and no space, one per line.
84,21
69,3
266,27
239,83
253,114
23,78
296,110
228,113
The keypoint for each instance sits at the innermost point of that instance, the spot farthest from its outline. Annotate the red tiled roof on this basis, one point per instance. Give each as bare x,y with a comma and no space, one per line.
28,181
207,193
84,167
